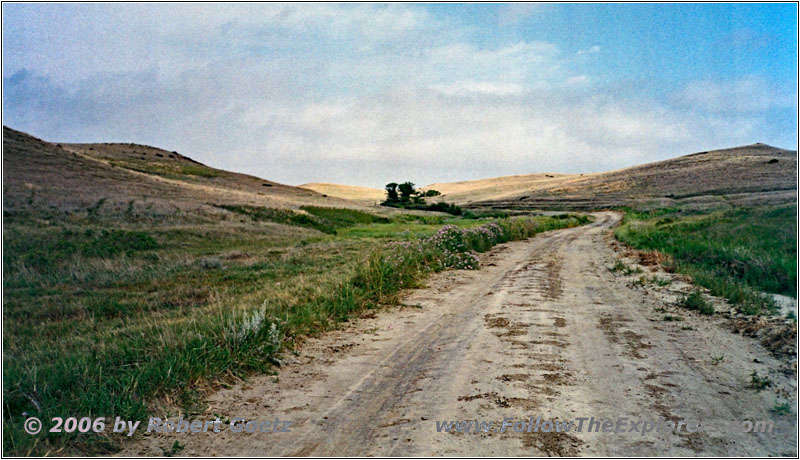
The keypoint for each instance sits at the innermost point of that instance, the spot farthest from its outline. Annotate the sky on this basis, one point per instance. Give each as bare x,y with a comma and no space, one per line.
366,94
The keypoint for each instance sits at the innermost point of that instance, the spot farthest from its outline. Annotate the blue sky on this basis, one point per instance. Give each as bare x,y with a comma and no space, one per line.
366,94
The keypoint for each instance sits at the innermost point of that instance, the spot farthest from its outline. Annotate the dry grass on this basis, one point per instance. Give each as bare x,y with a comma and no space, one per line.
363,195
505,187
131,181
750,175
656,258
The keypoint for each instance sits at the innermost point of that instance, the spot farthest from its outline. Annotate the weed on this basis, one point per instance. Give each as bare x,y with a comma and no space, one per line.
129,210
695,301
210,263
660,281
716,360
672,318
759,383
781,409
620,266
92,210
176,448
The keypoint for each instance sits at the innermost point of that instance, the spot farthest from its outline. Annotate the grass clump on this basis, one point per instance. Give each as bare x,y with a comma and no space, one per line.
781,409
758,382
696,302
620,266
660,281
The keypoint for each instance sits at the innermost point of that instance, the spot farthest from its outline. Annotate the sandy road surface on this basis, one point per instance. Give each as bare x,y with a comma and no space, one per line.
544,328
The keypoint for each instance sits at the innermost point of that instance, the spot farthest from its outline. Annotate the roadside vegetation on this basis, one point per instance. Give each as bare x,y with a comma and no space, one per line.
742,254
130,318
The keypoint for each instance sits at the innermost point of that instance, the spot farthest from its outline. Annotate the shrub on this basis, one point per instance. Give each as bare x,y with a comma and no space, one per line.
210,263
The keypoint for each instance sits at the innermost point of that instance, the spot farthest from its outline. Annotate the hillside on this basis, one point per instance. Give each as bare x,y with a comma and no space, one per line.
496,187
365,195
115,178
753,174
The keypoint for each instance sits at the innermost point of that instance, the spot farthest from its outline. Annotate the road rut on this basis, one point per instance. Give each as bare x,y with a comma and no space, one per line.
545,329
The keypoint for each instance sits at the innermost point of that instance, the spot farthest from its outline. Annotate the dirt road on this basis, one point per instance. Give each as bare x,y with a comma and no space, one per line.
543,329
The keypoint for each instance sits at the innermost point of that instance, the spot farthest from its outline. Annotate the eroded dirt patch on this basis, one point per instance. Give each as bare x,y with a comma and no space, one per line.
553,444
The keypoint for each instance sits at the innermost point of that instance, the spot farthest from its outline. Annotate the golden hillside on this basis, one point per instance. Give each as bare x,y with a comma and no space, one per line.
749,174
39,175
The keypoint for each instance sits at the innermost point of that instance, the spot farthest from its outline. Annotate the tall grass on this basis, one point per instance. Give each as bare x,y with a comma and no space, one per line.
147,322
736,254
323,219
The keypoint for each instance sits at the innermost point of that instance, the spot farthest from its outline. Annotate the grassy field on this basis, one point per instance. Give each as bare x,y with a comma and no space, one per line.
117,318
738,254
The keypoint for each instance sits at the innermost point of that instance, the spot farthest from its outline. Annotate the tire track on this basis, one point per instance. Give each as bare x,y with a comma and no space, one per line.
544,328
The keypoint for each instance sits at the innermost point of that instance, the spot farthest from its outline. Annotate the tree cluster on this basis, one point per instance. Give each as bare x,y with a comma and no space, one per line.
406,196
405,193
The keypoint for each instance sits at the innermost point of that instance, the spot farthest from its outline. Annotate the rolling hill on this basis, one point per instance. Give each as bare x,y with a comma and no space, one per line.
365,195
109,179
112,178
752,174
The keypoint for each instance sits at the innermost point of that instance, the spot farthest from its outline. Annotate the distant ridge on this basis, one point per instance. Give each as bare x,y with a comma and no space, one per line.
749,174
120,178
365,195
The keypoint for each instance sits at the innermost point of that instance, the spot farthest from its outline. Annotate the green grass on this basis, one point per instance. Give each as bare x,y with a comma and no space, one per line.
781,408
326,220
620,266
695,301
758,382
738,254
117,318
342,217
169,169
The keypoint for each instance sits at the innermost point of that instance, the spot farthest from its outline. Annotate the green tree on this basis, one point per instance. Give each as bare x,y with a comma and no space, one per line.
406,190
391,193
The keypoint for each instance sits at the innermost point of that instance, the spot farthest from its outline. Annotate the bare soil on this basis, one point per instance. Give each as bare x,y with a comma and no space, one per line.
544,328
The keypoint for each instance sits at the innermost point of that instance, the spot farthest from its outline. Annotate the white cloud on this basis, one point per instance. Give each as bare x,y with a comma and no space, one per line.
591,50
750,94
464,88
578,80
515,13
430,136
358,94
